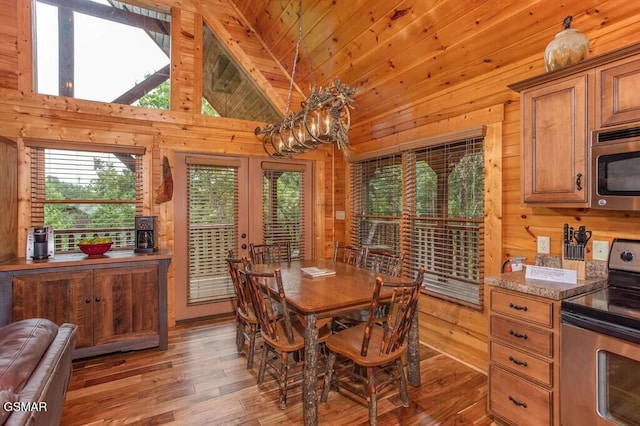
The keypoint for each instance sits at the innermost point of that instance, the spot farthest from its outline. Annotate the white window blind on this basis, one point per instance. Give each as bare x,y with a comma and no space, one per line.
212,195
445,218
429,204
84,194
378,188
283,206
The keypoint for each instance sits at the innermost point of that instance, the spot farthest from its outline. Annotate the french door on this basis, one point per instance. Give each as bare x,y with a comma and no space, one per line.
225,203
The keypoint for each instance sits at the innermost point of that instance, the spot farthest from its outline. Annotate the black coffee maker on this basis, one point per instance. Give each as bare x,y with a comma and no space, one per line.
146,229
40,243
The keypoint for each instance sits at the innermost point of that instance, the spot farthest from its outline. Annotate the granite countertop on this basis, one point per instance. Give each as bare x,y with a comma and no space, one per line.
516,281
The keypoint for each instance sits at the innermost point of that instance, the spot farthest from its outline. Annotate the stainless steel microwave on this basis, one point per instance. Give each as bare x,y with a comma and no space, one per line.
615,165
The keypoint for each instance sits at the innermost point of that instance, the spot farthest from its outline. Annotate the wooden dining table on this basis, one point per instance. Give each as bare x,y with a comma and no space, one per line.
319,298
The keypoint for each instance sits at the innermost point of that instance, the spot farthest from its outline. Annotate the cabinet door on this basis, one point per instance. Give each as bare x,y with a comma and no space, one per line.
126,303
618,87
555,143
58,296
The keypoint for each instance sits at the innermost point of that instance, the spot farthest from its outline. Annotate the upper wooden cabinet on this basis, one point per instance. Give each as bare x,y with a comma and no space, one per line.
618,85
560,110
554,143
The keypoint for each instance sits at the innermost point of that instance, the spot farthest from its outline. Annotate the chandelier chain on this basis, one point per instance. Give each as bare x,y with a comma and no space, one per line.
324,117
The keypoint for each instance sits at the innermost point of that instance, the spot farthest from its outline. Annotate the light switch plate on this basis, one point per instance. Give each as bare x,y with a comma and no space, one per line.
544,245
600,250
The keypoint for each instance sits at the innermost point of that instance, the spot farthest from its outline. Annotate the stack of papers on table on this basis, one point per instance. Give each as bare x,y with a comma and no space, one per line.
314,271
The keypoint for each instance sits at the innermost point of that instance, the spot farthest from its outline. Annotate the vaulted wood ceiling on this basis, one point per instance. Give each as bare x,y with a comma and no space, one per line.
404,54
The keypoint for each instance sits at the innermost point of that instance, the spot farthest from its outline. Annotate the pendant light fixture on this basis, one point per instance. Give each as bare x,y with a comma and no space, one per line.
324,117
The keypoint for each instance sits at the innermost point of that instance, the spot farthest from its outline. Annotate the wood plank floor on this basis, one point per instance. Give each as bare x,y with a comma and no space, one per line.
202,380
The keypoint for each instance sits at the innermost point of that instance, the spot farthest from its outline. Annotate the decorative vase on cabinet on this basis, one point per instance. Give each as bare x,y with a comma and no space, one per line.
568,47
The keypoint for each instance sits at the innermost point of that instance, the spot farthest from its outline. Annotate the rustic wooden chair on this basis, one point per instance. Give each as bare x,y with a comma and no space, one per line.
385,262
379,261
282,333
247,326
349,254
270,253
375,347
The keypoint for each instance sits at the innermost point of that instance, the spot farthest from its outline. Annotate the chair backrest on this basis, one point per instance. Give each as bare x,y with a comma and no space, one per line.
350,254
239,285
399,314
385,262
269,308
271,253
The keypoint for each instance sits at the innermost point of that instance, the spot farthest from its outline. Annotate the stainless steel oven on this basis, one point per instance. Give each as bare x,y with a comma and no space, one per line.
600,347
615,164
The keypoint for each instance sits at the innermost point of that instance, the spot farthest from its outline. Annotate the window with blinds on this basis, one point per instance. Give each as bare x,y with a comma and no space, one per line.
283,206
212,194
86,193
429,204
378,203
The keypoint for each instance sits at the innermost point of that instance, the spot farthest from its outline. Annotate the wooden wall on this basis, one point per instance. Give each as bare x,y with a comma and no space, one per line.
8,199
459,331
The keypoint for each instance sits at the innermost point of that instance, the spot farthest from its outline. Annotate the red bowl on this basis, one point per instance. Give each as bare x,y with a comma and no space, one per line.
95,249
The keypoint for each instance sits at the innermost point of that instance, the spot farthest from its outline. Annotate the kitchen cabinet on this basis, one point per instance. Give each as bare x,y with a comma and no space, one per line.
524,343
554,145
559,111
618,85
119,303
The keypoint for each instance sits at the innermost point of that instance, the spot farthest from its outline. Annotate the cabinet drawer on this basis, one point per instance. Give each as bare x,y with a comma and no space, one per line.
517,400
522,335
522,307
534,368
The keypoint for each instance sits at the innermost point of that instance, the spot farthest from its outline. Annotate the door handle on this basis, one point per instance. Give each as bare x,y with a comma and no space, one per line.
579,182
243,246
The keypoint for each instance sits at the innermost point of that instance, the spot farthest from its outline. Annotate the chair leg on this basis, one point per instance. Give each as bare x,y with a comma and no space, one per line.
284,372
373,399
263,363
403,383
252,346
239,335
327,376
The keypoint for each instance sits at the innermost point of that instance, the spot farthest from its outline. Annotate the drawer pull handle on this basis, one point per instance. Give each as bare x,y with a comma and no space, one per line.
518,335
518,307
518,403
518,362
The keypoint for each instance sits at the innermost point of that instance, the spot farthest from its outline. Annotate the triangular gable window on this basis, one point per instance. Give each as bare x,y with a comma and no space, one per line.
227,89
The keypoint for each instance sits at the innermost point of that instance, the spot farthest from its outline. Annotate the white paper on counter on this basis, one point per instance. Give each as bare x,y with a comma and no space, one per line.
544,273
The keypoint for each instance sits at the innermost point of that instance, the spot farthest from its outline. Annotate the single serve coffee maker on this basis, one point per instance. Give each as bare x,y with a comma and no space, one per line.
146,234
40,243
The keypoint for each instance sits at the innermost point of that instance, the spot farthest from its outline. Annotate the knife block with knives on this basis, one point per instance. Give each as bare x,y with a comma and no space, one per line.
574,248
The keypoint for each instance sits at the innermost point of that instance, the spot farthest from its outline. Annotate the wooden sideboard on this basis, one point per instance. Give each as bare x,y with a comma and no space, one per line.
118,300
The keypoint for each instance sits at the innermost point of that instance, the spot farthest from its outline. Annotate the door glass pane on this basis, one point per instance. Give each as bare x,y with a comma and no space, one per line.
618,388
213,229
283,214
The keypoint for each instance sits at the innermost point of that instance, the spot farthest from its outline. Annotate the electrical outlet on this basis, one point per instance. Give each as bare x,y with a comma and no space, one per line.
544,245
600,250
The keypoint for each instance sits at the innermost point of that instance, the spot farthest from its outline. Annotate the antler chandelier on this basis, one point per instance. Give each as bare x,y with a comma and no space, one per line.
324,117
